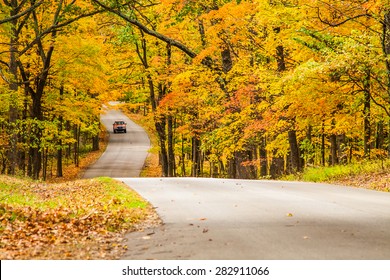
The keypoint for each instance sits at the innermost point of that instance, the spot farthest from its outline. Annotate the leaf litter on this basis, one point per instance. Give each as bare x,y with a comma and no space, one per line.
84,219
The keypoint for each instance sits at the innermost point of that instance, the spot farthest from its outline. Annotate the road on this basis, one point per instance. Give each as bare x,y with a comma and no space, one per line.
126,153
244,219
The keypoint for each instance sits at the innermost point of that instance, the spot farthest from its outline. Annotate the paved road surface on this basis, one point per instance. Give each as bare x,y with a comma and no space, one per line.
242,219
126,152
238,219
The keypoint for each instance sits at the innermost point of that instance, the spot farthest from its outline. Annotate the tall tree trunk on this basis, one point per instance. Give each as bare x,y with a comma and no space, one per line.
367,115
59,160
76,145
263,157
379,135
323,143
45,159
183,165
59,149
333,150
36,154
23,154
232,168
294,151
160,124
13,86
196,157
386,46
171,152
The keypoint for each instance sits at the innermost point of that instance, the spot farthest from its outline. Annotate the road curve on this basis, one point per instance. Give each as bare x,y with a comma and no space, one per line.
243,219
126,152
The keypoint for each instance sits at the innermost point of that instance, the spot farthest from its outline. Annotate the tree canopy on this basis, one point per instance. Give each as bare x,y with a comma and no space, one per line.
240,89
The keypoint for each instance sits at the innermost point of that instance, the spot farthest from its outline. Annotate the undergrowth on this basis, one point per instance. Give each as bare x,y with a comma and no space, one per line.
371,174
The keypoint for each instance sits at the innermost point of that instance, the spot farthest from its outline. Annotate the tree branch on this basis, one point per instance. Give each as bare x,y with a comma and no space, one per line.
55,27
148,31
380,105
33,7
366,14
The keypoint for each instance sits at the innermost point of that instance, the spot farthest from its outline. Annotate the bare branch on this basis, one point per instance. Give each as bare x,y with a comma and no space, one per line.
342,22
55,27
29,10
380,105
148,31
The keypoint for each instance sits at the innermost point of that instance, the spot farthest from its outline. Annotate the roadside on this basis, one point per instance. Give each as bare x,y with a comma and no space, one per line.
82,219
369,174
379,181
70,218
73,172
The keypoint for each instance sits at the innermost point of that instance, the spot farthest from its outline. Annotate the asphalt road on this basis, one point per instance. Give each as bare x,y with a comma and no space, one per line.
242,219
126,153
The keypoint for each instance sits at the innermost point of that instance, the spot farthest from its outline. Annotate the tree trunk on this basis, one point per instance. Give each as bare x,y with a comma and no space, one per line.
227,63
386,47
59,161
171,150
76,145
45,159
13,86
37,115
196,157
294,151
333,150
323,144
280,58
183,165
232,170
59,149
160,124
379,135
367,115
263,158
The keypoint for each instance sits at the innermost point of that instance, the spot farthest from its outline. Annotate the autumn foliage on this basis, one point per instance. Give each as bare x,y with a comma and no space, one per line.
239,89
273,87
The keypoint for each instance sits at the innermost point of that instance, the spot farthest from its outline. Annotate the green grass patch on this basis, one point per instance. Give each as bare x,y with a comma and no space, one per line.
330,173
370,174
120,196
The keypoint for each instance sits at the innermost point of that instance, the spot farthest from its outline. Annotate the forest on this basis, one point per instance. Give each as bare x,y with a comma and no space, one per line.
233,88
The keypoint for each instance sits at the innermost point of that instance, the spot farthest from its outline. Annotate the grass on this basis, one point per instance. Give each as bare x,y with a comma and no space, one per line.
370,174
82,219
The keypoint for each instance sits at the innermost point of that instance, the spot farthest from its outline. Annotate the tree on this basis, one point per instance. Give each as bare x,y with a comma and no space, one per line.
34,28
